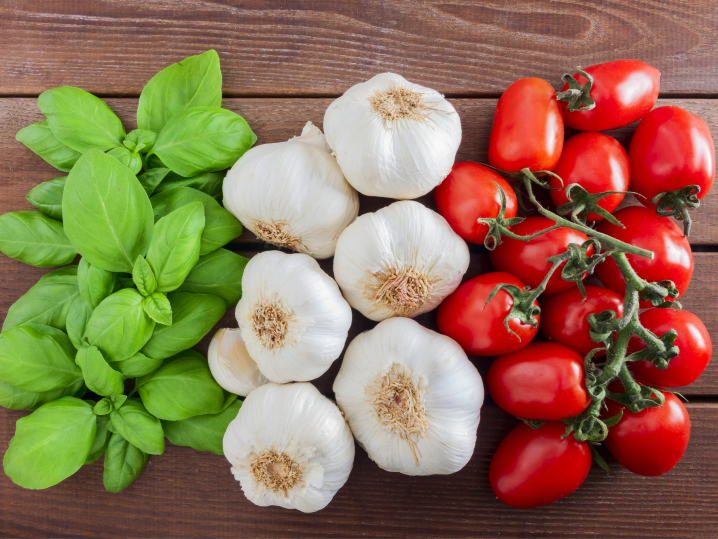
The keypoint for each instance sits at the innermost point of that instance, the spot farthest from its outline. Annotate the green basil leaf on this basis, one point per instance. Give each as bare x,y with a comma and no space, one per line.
220,226
102,438
195,81
229,398
47,197
140,140
106,213
37,358
40,140
139,427
193,315
202,432
130,159
47,302
119,326
123,282
34,238
219,273
95,284
50,444
152,178
17,399
99,377
143,277
104,407
158,308
209,183
123,464
77,318
80,120
203,139
137,365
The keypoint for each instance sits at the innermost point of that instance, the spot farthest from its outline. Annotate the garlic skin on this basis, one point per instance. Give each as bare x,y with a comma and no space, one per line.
393,138
293,317
231,365
289,446
412,398
292,194
402,260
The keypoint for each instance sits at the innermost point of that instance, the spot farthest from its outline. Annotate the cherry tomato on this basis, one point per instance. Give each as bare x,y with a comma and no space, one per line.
527,129
479,328
624,91
597,163
693,341
672,257
671,149
542,381
469,192
532,468
565,315
527,259
652,441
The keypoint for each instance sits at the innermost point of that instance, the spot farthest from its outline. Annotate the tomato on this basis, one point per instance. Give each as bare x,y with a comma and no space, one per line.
541,381
469,192
671,149
624,91
672,257
527,129
652,441
565,315
693,341
597,163
532,468
527,259
480,329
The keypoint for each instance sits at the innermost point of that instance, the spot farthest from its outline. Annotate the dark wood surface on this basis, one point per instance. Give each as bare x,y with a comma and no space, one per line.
282,62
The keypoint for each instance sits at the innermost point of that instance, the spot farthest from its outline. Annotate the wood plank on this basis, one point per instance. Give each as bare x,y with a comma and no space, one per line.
321,47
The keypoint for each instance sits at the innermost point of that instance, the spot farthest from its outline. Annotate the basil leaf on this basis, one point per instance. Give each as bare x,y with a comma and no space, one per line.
130,159
220,226
137,365
99,377
40,140
219,273
193,82
77,318
35,239
47,302
104,407
209,183
203,139
17,399
202,432
140,140
193,315
80,120
143,277
139,427
123,464
37,358
106,212
123,282
50,444
47,197
152,178
95,284
158,308
152,161
102,438
182,387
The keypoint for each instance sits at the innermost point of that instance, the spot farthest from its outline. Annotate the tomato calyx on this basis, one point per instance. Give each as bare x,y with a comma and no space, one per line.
676,204
498,225
657,292
523,308
581,203
577,95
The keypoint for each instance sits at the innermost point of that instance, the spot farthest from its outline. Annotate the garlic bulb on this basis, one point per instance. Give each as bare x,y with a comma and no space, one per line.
412,398
292,194
289,446
293,317
231,365
393,138
402,260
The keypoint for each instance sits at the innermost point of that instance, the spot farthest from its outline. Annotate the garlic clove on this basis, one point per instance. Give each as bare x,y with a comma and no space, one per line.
231,365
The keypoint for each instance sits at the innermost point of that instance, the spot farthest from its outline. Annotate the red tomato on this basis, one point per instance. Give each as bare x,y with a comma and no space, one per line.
565,315
467,194
652,441
527,129
693,341
480,329
532,468
624,91
542,381
597,163
671,149
527,259
672,257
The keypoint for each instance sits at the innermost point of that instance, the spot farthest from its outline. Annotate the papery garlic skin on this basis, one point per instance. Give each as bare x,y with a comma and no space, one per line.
393,138
293,317
231,365
442,385
292,194
401,260
289,446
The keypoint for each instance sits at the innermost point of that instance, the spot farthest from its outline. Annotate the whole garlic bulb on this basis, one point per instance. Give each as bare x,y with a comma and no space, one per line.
402,260
393,138
412,398
231,365
293,317
289,446
292,194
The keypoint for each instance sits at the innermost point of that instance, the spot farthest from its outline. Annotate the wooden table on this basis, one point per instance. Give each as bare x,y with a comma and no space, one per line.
283,63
